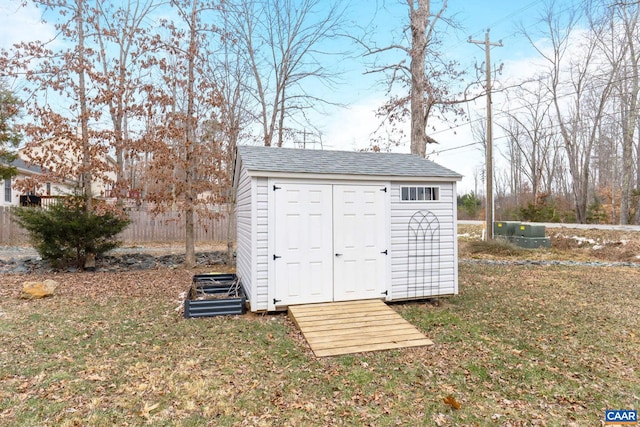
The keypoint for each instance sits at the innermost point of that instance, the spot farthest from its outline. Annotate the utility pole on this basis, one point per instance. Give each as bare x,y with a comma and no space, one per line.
489,149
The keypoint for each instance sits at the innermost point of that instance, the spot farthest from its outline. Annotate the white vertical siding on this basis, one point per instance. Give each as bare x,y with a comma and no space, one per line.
454,206
252,238
261,257
443,278
243,233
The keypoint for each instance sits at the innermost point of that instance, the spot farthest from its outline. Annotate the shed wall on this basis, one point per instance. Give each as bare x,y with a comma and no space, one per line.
253,238
401,212
243,232
261,260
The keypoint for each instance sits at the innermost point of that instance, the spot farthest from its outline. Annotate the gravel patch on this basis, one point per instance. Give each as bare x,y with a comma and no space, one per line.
15,260
550,262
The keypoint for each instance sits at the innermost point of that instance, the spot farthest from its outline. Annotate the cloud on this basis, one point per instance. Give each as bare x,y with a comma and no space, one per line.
351,128
22,24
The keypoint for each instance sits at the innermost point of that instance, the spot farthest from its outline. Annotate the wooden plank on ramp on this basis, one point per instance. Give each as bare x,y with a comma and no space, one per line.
338,328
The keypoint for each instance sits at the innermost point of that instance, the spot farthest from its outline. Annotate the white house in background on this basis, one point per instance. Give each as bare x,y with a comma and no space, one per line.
100,186
12,197
320,226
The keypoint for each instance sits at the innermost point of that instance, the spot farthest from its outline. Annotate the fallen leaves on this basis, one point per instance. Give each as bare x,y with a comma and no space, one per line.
96,377
451,401
147,409
110,349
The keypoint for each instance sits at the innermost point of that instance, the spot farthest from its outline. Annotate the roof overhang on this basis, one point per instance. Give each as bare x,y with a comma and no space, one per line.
348,177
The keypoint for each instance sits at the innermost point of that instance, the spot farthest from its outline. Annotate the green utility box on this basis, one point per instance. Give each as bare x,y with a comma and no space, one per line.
505,228
528,236
529,230
531,242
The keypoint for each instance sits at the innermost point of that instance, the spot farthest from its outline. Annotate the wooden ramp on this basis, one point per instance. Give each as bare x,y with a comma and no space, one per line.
351,327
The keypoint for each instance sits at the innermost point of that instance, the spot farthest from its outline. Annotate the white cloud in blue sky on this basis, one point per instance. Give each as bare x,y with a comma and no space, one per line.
21,24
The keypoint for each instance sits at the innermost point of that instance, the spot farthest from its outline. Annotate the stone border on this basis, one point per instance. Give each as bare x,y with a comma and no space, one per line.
114,263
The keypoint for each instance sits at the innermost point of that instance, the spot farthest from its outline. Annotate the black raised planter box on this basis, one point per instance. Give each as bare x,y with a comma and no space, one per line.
214,295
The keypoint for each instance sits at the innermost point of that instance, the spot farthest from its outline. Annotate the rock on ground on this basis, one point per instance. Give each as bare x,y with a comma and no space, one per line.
42,289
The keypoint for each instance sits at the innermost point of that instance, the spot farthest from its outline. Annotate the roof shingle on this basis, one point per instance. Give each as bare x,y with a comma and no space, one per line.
294,160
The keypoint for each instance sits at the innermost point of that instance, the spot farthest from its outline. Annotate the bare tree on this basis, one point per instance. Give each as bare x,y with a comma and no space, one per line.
119,32
531,138
620,45
579,94
513,155
429,85
479,135
81,69
167,81
183,112
283,42
231,74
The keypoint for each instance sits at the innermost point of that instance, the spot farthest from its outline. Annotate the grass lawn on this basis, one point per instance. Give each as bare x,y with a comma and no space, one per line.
520,345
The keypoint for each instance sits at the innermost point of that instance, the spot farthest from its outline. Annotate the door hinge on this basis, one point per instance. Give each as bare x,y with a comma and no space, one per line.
275,257
275,187
384,189
385,293
276,301
385,252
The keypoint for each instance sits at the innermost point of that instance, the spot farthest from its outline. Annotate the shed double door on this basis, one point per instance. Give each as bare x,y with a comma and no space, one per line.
330,243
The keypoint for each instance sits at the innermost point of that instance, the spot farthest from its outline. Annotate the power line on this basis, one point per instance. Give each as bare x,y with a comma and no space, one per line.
554,127
489,150
509,112
454,148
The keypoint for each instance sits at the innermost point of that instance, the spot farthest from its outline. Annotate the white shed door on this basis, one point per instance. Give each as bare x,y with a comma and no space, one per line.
303,243
329,243
359,240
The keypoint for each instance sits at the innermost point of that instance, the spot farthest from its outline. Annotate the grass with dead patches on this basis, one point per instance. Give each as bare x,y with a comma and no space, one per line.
519,346
576,244
496,247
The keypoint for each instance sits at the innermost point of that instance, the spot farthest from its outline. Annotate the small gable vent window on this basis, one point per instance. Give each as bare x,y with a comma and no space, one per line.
411,194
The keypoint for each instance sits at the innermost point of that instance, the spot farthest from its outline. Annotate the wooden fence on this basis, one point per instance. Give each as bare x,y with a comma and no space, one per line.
144,227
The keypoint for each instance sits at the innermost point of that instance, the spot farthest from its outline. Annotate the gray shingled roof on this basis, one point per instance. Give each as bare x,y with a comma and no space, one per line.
293,160
21,164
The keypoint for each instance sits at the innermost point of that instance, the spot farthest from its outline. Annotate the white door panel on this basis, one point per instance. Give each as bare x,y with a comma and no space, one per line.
359,241
303,244
329,243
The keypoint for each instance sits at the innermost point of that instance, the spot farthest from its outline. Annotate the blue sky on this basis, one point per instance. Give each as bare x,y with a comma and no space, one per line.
349,128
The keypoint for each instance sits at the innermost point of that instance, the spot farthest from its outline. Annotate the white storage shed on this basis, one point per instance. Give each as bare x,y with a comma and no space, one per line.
319,226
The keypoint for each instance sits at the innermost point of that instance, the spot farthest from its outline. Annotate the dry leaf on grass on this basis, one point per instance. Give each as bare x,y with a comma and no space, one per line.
146,411
451,401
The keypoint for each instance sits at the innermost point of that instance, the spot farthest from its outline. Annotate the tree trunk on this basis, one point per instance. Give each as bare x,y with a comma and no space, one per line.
419,19
631,119
627,171
84,113
636,219
281,120
230,211
190,258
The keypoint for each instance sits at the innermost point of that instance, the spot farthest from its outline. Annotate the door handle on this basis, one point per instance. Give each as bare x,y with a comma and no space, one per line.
338,254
